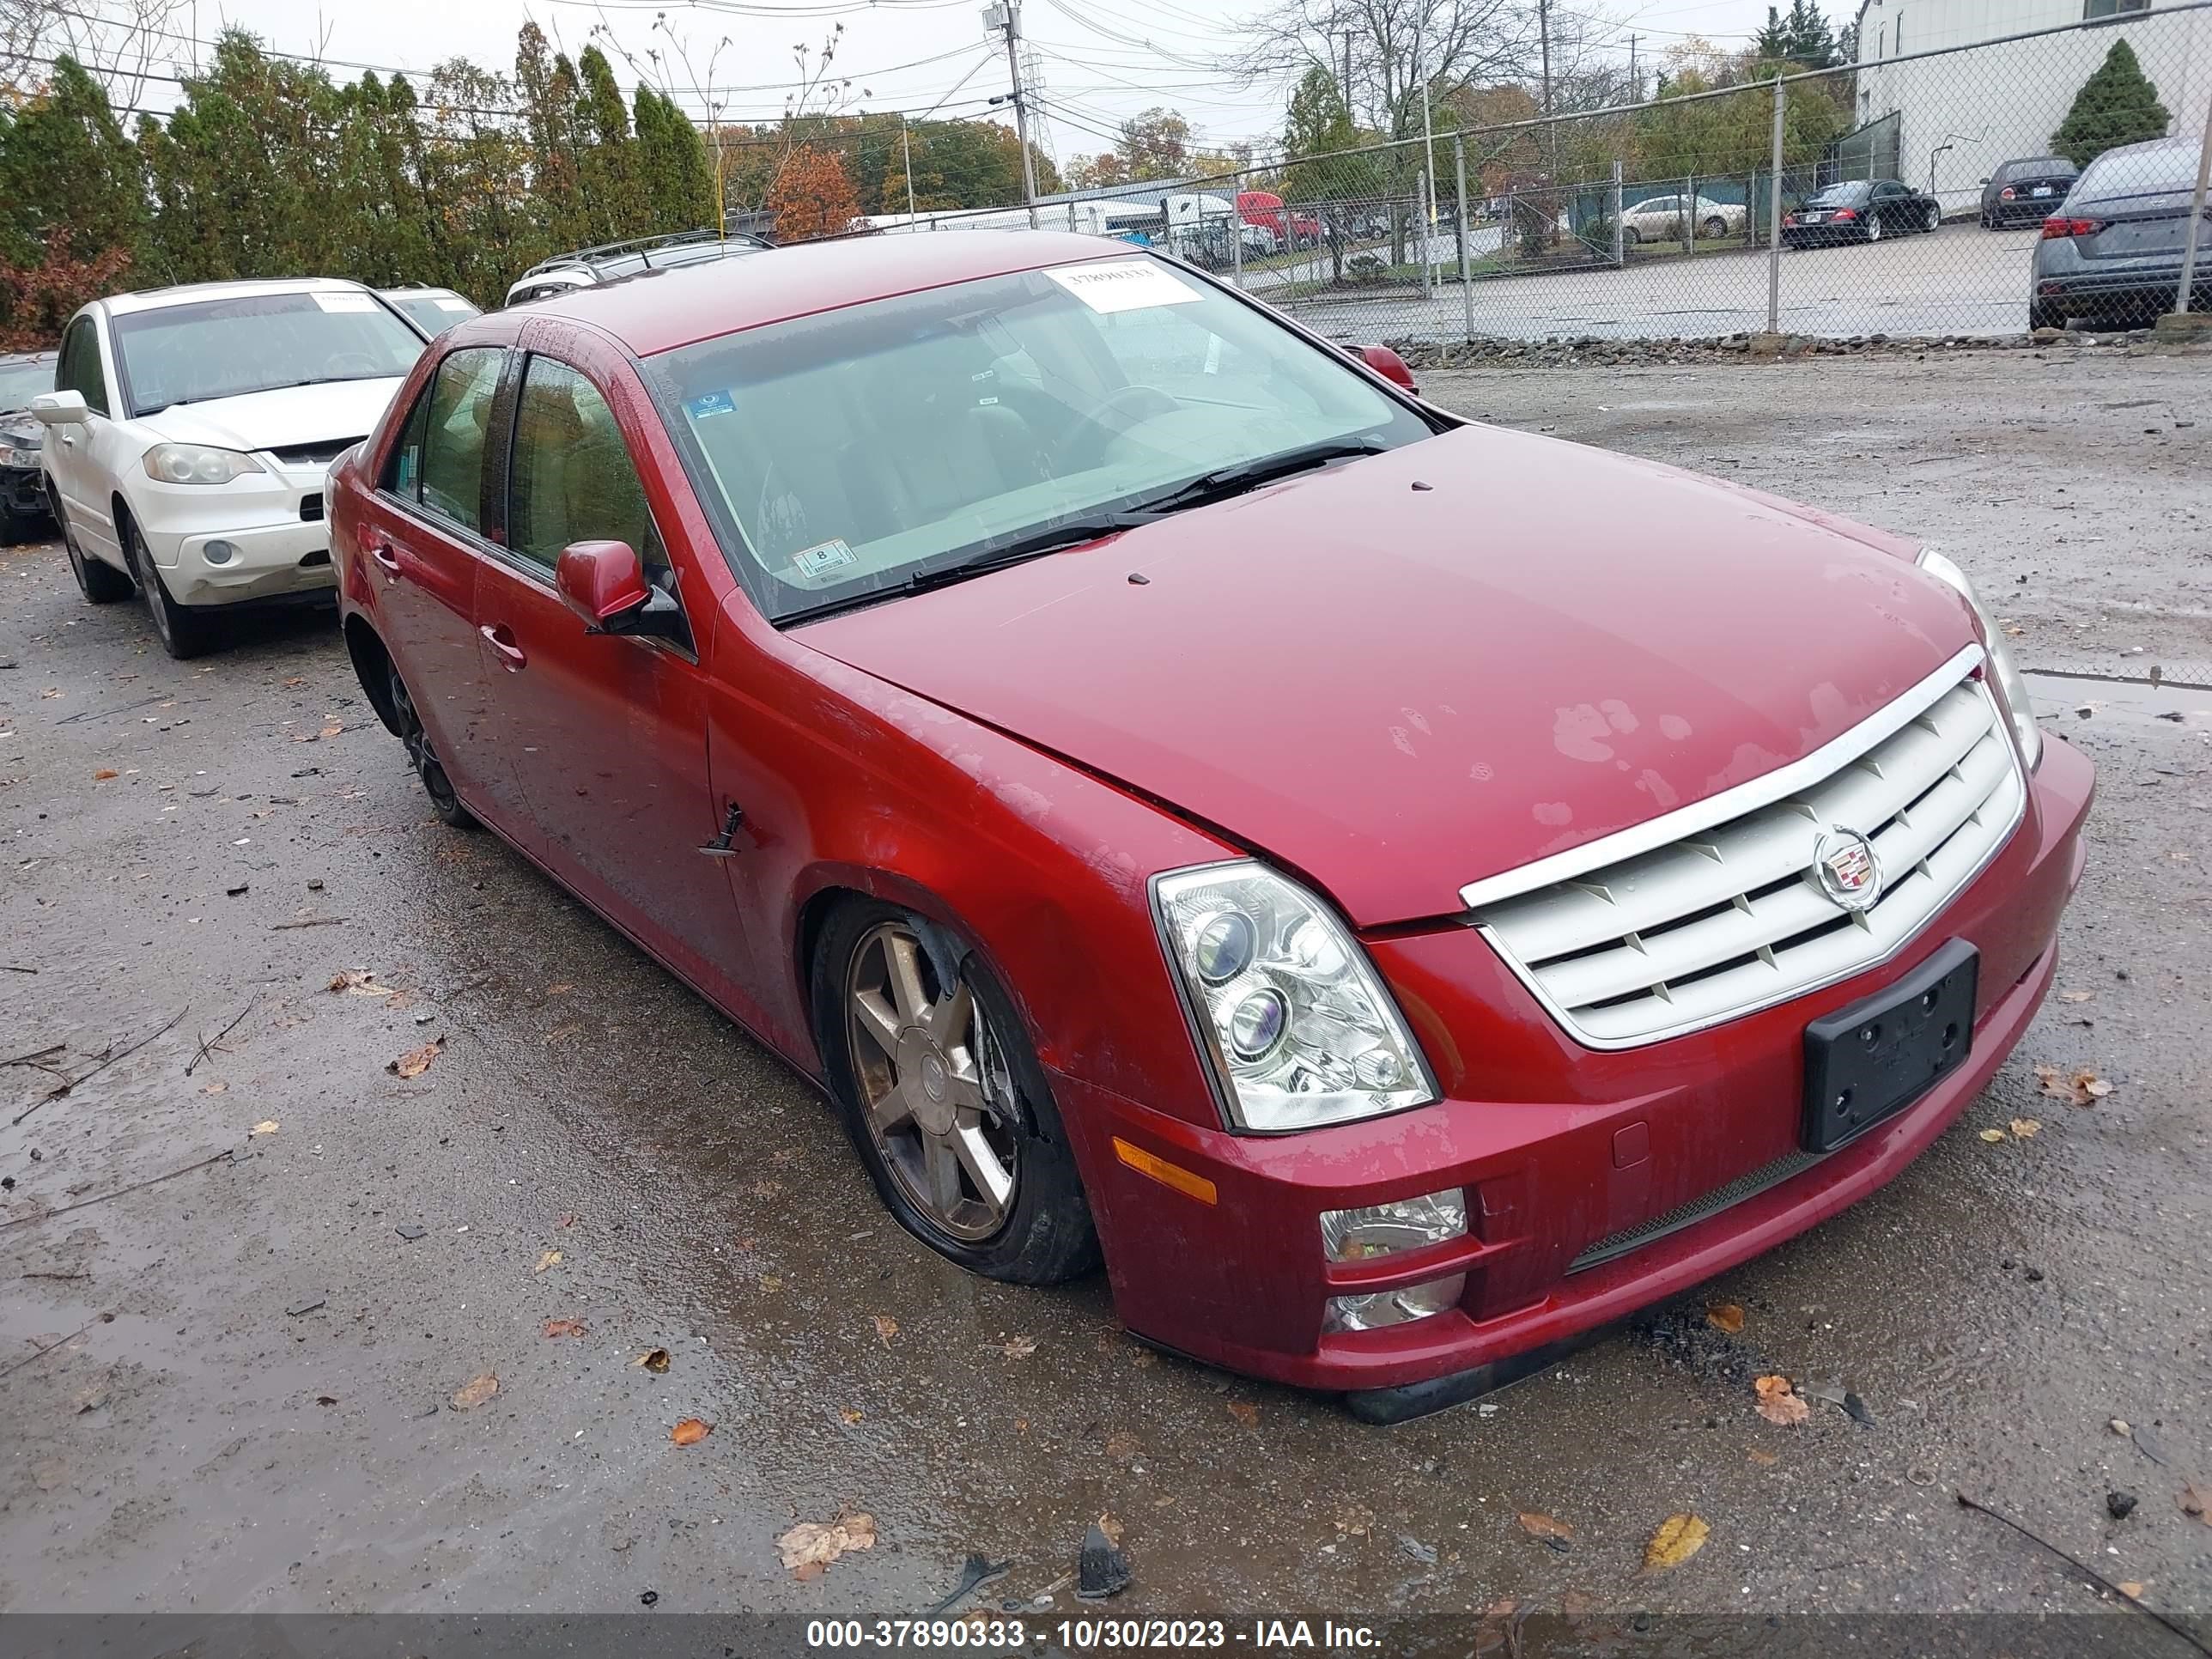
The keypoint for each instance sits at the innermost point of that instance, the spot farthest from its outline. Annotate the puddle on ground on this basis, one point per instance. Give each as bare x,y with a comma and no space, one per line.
2061,699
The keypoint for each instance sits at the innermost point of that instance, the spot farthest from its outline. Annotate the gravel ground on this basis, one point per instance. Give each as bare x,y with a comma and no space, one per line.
234,1389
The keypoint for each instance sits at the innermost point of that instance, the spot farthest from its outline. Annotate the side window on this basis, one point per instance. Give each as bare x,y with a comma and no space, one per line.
572,478
79,369
403,471
456,418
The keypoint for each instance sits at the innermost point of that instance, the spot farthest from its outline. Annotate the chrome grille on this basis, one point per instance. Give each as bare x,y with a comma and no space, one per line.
1644,938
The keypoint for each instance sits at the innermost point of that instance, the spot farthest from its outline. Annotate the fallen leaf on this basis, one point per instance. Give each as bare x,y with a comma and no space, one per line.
415,1061
1021,1347
331,729
653,1359
886,1328
564,1327
1111,1527
216,1089
816,1544
551,1259
2197,1501
49,1474
103,774
1122,1447
566,1221
474,1392
770,1283
1780,1403
2076,996
361,983
1765,1460
561,990
1539,1525
1725,1316
94,1394
1678,1538
1356,1522
2024,1128
2090,1086
266,1127
1993,1136
1245,1413
2132,1590
326,1400
2079,1089
851,1413
691,1431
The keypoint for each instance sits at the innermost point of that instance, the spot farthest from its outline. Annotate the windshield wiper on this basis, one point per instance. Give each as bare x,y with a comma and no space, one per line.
991,555
1226,481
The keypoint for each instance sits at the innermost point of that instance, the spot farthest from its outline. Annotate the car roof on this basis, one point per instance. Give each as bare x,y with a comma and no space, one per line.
419,292
156,299
670,306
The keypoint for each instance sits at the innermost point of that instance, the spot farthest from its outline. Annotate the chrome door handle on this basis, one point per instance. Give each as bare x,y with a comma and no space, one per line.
386,560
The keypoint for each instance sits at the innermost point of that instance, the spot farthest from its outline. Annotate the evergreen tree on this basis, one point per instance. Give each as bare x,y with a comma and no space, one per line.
2117,105
64,161
615,199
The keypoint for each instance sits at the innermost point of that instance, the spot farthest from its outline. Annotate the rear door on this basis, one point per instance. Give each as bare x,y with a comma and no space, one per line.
604,737
423,539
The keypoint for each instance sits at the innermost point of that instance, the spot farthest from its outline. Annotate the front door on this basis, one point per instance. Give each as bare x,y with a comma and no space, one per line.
73,452
423,536
605,736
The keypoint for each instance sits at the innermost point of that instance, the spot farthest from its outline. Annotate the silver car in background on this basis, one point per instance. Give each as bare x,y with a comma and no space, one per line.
2112,252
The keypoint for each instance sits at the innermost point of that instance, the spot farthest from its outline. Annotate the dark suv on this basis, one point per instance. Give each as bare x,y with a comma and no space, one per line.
2112,252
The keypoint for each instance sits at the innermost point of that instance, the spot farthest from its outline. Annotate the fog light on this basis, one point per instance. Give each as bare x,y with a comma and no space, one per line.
1405,1224
219,552
1399,1307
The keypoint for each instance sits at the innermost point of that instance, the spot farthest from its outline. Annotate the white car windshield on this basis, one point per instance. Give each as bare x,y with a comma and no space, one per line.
190,354
21,382
862,447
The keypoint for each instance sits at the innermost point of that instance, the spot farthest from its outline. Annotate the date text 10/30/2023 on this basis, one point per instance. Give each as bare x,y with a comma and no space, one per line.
984,1635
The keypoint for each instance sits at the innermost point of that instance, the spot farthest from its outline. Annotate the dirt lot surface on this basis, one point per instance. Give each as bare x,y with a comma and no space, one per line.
241,1388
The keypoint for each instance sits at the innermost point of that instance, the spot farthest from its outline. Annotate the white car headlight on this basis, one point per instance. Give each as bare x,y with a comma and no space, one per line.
11,456
2001,663
1290,1014
197,463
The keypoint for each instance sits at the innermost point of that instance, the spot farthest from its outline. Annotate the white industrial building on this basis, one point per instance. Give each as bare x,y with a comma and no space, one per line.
1961,114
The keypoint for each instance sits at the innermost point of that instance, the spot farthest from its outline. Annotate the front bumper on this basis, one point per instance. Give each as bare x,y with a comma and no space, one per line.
23,491
1562,1151
274,523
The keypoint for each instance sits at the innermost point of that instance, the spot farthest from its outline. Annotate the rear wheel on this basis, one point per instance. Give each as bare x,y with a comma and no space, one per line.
99,582
1630,236
1716,228
2043,316
1874,228
185,631
948,1107
424,757
1930,217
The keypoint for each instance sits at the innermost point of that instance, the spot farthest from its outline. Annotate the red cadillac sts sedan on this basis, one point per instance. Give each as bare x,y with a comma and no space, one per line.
1197,807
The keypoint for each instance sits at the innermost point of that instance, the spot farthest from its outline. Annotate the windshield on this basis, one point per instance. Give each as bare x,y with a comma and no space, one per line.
258,342
1841,195
856,449
21,382
435,312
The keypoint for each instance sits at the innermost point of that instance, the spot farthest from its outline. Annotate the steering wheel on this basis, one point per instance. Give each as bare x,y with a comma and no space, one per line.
349,361
1117,411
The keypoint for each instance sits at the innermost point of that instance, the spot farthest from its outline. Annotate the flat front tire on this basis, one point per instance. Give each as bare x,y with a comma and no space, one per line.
185,631
945,1102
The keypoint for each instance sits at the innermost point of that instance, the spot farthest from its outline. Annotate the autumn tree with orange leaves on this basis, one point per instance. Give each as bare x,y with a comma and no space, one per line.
811,197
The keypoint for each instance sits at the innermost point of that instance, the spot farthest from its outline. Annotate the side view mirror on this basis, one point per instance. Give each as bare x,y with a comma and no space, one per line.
1985,181
604,584
1388,364
60,408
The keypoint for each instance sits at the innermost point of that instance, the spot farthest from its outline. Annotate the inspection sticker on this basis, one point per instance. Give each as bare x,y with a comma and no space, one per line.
1124,285
712,403
345,302
455,305
822,559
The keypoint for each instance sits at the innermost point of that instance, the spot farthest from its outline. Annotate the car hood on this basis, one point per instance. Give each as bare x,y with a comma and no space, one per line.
19,430
1412,671
277,420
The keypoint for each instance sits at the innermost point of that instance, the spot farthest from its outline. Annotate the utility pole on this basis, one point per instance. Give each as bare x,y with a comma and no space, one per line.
1635,80
1544,36
1347,72
1008,14
906,153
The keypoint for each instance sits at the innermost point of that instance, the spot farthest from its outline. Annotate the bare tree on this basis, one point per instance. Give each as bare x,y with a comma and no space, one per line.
1380,51
119,42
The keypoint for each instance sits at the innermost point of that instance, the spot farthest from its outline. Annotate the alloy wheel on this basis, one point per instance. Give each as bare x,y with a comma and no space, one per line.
935,1088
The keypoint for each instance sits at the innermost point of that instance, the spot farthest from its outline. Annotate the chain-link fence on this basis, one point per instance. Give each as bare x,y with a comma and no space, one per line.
1954,189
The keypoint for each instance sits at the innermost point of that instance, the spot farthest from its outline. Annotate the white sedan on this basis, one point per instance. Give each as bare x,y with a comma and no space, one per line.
189,433
1659,219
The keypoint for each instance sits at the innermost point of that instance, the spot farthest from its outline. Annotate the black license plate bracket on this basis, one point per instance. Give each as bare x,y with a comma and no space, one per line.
1871,1060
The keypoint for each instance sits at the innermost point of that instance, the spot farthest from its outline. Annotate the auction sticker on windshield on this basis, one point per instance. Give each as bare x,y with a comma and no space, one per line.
1124,285
345,302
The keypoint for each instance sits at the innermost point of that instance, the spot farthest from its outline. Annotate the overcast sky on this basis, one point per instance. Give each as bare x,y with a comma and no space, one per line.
1102,60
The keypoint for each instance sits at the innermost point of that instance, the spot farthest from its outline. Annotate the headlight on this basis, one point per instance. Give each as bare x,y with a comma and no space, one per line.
2001,663
1297,1027
196,464
11,456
